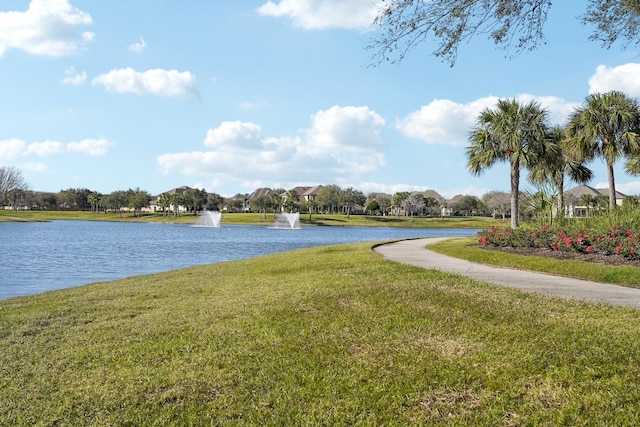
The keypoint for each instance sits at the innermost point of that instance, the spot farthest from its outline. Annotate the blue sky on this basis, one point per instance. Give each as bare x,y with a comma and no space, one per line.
230,96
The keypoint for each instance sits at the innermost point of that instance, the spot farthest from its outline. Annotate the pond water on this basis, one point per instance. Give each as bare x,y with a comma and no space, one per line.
43,256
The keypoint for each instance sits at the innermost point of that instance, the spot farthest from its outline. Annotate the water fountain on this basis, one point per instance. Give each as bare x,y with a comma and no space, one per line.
209,219
290,221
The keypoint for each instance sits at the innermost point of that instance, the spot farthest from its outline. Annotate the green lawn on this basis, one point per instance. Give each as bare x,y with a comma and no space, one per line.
322,336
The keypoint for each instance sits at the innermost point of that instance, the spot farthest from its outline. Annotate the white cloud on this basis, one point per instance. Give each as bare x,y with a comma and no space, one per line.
138,47
13,148
333,127
443,121
341,142
625,78
46,148
73,78
631,188
170,83
321,14
236,135
447,122
47,28
91,147
10,149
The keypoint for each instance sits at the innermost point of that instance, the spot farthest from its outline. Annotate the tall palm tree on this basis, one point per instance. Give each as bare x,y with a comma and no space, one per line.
513,133
606,126
556,166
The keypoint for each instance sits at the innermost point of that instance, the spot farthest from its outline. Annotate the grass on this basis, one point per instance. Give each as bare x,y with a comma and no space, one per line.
256,219
331,335
467,249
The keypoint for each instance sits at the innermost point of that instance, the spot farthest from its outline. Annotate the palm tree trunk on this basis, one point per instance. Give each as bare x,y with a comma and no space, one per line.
515,184
612,187
560,203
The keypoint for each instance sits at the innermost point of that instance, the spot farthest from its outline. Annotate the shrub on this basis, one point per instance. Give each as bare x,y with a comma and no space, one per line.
619,240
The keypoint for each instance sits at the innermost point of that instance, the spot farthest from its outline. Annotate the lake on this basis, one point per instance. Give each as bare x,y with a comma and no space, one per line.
43,256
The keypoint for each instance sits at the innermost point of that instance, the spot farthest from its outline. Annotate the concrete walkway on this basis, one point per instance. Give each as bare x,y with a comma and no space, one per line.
414,252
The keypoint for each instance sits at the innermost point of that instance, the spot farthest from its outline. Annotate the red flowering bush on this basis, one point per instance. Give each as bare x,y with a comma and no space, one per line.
617,241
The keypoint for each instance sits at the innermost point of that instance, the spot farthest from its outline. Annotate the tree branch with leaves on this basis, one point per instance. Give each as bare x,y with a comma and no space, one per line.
512,25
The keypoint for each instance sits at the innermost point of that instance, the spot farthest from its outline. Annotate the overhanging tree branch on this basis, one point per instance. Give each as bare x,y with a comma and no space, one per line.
513,25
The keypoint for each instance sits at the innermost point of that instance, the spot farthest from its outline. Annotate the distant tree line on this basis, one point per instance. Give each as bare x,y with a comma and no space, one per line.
192,199
550,161
331,199
15,192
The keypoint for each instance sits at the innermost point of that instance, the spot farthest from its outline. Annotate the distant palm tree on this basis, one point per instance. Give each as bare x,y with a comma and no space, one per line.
261,203
175,200
311,205
556,165
276,200
589,201
606,126
165,202
93,198
512,133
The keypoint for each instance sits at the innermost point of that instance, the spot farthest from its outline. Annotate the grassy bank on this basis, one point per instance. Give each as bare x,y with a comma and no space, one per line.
322,336
467,249
256,219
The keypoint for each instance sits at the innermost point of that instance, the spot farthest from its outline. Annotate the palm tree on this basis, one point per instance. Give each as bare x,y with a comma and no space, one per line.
589,201
175,200
541,203
553,169
606,126
93,198
165,202
311,205
276,200
261,203
512,133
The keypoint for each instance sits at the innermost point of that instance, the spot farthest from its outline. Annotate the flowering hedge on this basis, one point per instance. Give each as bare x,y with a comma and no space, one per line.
617,241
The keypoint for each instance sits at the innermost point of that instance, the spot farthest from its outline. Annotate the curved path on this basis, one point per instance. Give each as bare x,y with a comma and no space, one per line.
414,252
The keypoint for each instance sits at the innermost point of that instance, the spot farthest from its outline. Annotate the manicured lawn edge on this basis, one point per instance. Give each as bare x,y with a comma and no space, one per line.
468,249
